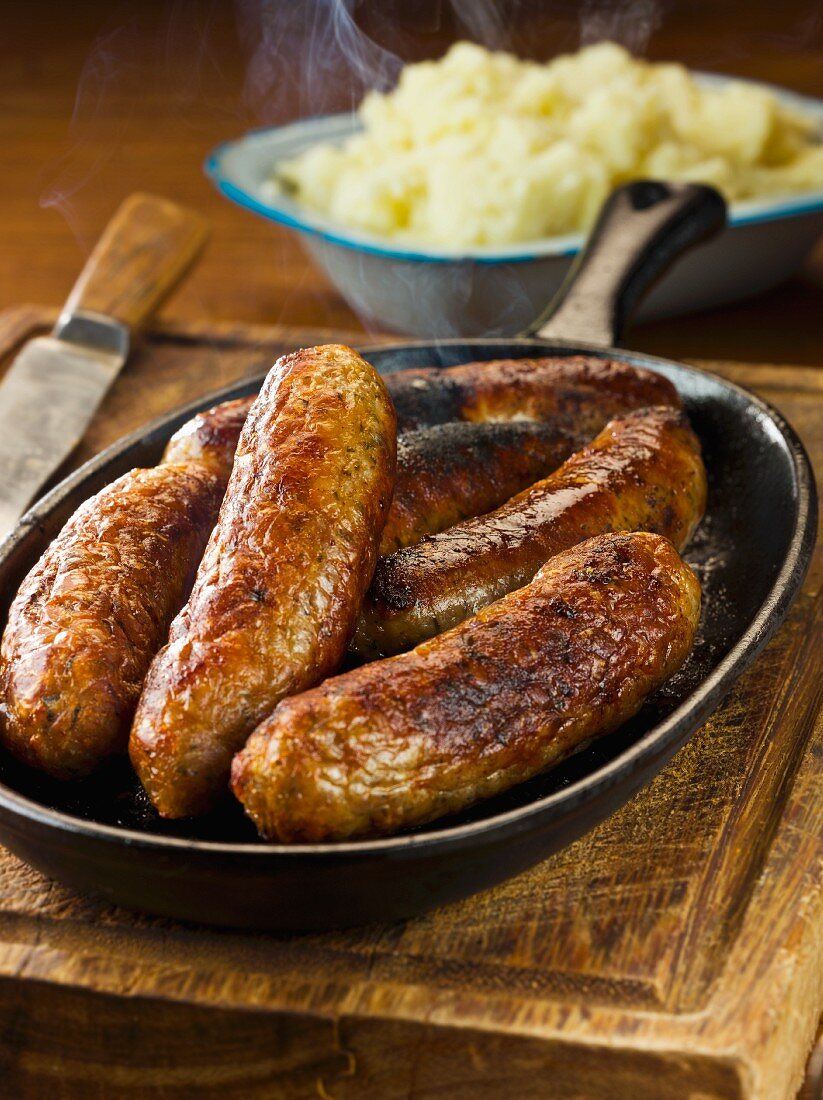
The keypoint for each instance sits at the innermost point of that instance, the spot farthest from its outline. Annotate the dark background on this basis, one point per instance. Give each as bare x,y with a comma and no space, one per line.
99,99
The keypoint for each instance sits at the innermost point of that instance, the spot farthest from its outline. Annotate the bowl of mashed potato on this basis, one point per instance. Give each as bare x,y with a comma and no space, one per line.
455,204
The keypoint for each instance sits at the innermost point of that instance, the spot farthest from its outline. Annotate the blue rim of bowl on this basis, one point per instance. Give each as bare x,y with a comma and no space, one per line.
566,245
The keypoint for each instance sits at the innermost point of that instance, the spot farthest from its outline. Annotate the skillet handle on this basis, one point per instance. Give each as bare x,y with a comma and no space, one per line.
642,229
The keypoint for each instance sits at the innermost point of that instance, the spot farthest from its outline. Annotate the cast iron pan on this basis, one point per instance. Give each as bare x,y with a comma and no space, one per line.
751,554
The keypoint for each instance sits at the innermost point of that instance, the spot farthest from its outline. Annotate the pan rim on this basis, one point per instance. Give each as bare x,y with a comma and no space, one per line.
661,740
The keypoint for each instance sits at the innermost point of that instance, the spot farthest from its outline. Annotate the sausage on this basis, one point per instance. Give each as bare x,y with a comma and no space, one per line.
211,436
447,470
452,471
97,607
643,472
444,473
576,393
93,612
134,561
489,704
282,578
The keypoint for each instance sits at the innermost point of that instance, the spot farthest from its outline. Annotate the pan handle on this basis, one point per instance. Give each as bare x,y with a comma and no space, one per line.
642,229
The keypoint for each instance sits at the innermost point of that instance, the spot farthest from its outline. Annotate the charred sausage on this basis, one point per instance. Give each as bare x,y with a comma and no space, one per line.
449,470
281,581
131,559
643,472
578,393
444,473
487,705
452,471
491,447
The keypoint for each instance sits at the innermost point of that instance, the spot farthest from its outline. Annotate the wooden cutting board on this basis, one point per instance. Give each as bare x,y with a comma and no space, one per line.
676,951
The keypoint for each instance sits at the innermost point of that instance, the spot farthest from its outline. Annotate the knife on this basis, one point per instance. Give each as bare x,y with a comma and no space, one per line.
53,387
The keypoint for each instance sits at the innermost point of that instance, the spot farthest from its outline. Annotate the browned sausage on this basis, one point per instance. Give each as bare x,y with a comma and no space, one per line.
283,575
452,471
156,550
210,436
643,472
445,473
577,393
449,470
491,703
93,612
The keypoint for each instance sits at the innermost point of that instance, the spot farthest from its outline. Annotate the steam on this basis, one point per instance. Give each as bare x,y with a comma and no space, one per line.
304,57
310,57
191,65
483,21
106,64
311,52
165,65
629,22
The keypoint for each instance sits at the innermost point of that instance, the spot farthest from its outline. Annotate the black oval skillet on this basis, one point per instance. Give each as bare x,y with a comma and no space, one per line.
751,553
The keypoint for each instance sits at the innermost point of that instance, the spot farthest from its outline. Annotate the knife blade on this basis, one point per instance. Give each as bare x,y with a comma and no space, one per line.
47,398
56,383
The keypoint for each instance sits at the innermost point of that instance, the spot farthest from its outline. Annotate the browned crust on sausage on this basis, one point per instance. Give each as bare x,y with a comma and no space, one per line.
282,578
576,393
643,472
211,436
95,609
452,471
445,473
487,705
469,462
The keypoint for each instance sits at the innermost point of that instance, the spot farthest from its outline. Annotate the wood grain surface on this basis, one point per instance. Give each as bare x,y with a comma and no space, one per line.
675,951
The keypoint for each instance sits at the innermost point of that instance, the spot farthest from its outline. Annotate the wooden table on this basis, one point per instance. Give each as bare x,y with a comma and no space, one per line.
97,101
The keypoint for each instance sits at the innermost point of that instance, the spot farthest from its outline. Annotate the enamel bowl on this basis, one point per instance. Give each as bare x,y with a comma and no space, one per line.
501,291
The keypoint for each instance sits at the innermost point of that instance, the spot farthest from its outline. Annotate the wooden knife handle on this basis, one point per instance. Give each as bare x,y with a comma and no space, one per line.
146,249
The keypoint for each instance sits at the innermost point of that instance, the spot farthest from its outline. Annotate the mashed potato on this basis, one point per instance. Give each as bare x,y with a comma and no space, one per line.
480,148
